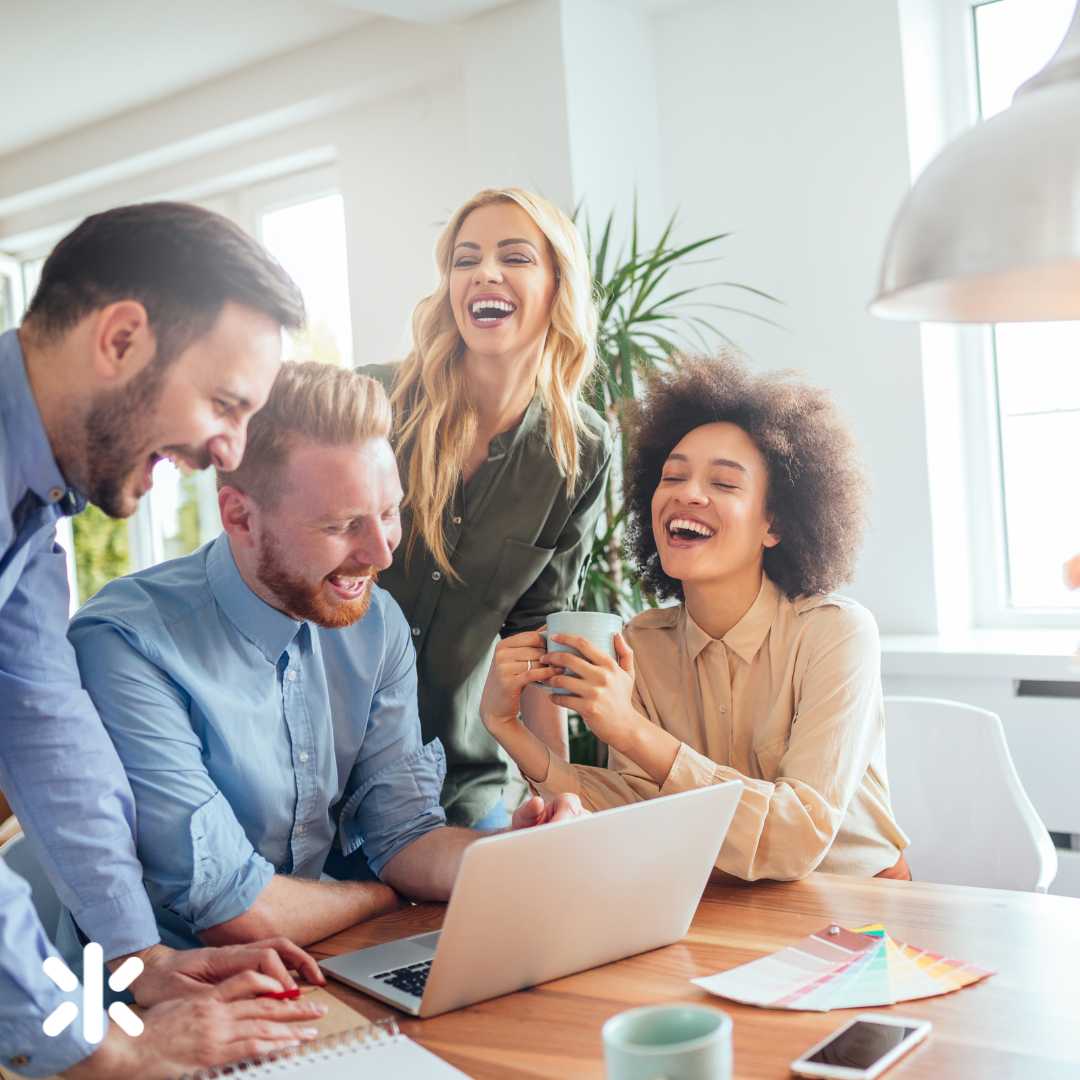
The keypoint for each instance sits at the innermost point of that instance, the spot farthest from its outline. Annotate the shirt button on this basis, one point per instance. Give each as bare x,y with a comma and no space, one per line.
55,494
457,521
435,575
300,829
303,755
416,631
723,708
290,675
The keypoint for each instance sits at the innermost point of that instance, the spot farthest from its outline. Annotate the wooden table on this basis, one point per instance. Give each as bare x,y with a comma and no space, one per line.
1023,1023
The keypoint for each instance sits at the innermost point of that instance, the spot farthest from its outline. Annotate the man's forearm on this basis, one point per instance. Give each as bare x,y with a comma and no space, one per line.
304,911
427,868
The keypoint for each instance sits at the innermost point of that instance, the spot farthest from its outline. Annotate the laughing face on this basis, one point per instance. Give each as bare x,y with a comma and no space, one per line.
502,281
708,510
335,526
194,410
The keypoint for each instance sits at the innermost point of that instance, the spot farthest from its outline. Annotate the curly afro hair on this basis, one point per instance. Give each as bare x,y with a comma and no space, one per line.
816,485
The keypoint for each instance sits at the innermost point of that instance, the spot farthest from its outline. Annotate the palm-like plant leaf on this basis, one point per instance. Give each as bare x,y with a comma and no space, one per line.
644,326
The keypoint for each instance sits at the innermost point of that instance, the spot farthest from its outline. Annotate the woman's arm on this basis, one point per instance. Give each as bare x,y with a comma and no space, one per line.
515,666
784,827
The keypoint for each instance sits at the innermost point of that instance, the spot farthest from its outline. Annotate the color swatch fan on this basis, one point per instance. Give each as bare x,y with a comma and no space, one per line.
836,968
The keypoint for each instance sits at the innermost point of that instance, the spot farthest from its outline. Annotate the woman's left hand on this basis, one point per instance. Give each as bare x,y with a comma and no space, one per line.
602,692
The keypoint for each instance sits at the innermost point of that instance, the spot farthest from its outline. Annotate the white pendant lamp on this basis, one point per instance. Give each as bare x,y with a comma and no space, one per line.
991,230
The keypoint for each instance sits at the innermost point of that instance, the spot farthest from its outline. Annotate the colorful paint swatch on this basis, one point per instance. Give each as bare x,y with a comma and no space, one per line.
836,968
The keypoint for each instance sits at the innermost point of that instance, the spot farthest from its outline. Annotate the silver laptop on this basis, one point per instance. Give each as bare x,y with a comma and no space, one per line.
537,904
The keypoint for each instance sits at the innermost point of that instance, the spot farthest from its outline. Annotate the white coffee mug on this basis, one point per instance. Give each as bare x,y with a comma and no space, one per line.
668,1042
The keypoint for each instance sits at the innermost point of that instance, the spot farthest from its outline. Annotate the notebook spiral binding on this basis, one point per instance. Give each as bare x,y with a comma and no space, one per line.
286,1061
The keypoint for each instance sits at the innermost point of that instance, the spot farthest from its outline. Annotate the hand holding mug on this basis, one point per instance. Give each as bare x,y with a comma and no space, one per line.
598,687
516,663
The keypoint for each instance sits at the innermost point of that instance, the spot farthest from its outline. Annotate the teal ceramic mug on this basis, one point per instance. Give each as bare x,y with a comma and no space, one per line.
597,627
668,1042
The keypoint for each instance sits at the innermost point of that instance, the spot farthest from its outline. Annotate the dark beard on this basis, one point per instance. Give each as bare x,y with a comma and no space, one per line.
117,434
302,600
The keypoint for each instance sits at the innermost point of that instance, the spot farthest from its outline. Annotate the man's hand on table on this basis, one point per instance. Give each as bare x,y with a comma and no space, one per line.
169,973
535,811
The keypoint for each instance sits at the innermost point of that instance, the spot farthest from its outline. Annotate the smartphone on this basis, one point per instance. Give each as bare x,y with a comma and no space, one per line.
863,1048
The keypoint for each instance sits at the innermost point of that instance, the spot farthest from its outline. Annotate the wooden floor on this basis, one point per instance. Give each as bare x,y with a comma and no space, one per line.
1021,1024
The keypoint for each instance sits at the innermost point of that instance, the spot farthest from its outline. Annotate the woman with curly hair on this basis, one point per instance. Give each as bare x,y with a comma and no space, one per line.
504,468
745,504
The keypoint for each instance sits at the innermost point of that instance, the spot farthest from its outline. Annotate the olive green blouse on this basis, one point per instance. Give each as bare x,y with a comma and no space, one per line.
521,547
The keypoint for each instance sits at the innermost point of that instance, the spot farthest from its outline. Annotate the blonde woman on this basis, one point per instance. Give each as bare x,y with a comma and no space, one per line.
503,466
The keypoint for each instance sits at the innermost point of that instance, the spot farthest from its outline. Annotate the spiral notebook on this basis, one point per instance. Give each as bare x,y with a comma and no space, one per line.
349,1046
377,1049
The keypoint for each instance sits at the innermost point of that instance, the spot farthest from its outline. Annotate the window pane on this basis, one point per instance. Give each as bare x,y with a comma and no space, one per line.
101,550
1038,364
308,239
183,509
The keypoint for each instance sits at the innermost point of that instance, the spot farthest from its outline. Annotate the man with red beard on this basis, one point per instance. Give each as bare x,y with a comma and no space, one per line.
261,692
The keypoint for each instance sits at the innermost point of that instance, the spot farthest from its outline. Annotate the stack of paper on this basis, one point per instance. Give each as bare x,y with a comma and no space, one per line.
842,969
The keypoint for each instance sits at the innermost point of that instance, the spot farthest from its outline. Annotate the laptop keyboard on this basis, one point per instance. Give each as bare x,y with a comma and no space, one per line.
409,979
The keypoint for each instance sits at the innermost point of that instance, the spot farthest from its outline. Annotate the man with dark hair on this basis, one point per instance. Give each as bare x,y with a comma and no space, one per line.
155,332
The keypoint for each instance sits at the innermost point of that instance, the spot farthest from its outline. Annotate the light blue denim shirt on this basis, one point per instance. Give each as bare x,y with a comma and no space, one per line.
58,768
27,995
252,741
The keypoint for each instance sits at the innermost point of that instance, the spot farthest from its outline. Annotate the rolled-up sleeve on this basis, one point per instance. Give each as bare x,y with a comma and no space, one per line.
392,796
27,995
197,860
783,828
59,770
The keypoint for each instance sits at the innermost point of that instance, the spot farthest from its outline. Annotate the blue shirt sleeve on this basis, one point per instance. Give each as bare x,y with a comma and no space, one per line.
27,995
197,860
58,768
392,795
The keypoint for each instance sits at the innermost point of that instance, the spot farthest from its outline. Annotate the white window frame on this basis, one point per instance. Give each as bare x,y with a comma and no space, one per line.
11,271
941,85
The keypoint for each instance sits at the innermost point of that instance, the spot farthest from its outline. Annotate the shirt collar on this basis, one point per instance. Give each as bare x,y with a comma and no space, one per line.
507,440
746,636
269,630
24,432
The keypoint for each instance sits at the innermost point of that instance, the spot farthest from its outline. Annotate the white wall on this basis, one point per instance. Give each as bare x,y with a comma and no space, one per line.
784,122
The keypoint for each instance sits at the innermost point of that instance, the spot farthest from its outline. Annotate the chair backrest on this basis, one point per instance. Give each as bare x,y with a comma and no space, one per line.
17,854
956,794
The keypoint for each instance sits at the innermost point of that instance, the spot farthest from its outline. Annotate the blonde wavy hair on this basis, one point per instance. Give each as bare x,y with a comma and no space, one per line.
433,417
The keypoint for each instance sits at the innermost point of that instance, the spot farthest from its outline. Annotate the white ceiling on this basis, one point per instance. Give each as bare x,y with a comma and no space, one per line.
64,65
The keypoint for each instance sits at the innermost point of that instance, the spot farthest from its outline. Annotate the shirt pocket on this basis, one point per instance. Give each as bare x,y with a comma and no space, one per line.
519,565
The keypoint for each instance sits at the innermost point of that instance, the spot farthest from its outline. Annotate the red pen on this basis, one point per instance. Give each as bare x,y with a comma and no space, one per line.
283,995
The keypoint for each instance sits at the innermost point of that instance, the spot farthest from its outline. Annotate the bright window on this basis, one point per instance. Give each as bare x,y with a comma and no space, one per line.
308,239
1036,365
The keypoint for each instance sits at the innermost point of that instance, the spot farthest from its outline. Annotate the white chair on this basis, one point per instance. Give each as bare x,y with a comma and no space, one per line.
16,853
956,794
